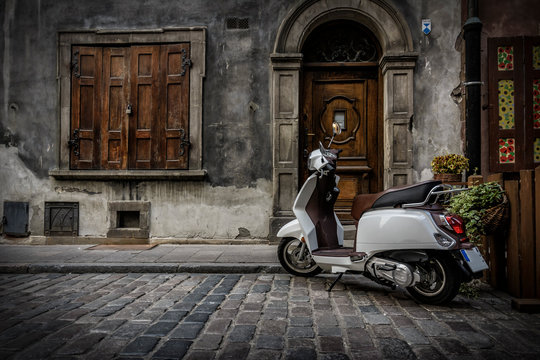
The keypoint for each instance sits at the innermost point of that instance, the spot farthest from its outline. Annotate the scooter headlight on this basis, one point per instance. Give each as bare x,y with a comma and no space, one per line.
444,241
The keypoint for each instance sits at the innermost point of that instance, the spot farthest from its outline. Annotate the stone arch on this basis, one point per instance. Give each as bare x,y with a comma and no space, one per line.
385,22
397,63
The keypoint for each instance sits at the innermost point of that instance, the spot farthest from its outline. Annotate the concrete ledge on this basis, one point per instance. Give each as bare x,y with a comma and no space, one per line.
108,175
83,268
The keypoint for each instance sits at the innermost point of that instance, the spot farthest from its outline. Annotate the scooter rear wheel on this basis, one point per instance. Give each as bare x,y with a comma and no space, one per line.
296,259
440,281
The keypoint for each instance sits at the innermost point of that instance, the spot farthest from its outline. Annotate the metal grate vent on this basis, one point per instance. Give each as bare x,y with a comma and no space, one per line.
15,220
61,218
237,23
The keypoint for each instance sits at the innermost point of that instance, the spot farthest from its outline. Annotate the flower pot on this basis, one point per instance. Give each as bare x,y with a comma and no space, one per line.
445,178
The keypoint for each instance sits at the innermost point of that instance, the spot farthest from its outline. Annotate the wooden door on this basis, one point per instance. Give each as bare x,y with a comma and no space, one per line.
351,98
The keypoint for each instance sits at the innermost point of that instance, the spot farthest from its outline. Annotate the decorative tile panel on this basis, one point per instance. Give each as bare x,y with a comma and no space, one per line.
536,104
507,151
536,57
506,104
536,150
505,58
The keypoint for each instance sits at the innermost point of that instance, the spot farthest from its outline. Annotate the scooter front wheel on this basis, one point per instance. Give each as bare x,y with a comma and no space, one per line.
294,256
440,281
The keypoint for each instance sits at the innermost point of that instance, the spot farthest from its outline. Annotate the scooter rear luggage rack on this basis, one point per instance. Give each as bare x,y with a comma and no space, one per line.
437,193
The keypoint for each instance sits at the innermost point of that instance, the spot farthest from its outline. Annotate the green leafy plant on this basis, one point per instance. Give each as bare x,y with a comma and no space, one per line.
449,164
471,289
472,204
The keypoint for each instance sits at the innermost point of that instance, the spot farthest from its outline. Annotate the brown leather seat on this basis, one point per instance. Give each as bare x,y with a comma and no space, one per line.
394,196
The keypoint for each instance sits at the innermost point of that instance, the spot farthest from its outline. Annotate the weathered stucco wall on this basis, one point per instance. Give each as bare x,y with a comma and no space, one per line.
436,125
237,129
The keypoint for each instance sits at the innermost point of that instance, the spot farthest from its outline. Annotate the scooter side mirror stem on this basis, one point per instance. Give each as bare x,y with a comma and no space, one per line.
336,130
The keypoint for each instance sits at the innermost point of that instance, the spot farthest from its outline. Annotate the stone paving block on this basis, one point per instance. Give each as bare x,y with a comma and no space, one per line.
395,349
187,331
160,328
173,315
235,351
329,331
413,336
352,322
247,318
274,314
376,319
452,346
208,341
129,330
252,307
69,332
301,321
197,317
172,349
23,341
301,354
40,350
80,345
325,319
433,328
427,352
217,326
359,339
141,346
107,326
300,332
300,311
270,342
207,307
200,355
242,333
331,344
475,339
274,327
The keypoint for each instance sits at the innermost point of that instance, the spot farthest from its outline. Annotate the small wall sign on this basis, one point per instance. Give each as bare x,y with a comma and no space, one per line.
426,26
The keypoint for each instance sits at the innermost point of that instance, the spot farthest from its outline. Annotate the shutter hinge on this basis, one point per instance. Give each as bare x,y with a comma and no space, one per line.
75,64
183,142
74,143
186,62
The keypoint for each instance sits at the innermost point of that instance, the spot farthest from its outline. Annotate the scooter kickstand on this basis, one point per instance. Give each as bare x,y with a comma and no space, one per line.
335,282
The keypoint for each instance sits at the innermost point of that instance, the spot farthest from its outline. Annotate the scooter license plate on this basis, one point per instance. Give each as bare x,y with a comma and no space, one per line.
474,259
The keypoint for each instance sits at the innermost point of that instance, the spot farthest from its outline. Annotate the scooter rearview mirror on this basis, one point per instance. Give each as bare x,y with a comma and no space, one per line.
336,129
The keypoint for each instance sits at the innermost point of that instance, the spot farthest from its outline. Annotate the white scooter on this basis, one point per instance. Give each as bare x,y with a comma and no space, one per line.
404,237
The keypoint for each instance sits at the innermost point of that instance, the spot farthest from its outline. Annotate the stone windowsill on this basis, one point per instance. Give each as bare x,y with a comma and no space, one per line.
108,175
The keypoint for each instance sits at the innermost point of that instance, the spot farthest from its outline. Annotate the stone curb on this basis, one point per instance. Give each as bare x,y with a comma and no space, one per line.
81,268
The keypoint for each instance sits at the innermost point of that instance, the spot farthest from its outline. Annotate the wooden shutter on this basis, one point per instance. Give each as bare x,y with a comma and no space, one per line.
143,135
514,103
532,101
85,107
114,125
173,119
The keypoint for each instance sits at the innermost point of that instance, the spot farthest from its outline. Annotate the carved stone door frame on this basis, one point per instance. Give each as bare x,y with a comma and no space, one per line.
397,68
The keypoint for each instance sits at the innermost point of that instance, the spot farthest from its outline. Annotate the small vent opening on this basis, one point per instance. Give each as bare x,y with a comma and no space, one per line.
237,23
128,219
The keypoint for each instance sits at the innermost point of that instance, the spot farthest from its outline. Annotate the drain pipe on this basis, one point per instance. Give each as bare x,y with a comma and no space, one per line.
472,31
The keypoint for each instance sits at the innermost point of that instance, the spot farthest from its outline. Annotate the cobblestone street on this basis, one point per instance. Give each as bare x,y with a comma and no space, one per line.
256,316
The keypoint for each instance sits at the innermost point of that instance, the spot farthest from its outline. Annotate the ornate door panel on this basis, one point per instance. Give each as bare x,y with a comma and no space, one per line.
350,98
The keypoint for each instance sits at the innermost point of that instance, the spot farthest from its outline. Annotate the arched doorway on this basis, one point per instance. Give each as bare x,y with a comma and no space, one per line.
395,67
340,82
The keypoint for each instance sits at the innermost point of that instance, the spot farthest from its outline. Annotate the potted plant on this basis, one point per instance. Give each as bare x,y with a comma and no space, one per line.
483,208
448,168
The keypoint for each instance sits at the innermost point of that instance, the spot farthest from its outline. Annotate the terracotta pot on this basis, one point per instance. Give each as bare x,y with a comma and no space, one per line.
447,177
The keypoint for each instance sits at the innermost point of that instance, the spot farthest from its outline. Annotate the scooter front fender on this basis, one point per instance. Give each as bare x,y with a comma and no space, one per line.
291,229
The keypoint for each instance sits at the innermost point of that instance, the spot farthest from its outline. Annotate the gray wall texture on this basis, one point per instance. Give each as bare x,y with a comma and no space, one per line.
237,138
